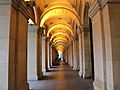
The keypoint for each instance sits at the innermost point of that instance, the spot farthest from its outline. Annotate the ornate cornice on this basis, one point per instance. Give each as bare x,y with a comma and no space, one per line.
99,5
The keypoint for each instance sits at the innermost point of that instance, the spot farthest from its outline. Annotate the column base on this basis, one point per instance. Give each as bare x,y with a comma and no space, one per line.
76,68
40,76
98,85
87,75
25,86
80,74
34,77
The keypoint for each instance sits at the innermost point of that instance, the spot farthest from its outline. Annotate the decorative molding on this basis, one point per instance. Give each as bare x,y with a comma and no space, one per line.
93,9
32,28
23,8
85,28
99,5
39,31
79,30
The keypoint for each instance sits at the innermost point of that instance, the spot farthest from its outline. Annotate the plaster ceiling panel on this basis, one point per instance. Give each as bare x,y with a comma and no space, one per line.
58,19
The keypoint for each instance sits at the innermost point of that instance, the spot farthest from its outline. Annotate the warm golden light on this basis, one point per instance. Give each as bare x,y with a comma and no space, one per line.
62,26
59,34
59,38
61,11
27,0
60,48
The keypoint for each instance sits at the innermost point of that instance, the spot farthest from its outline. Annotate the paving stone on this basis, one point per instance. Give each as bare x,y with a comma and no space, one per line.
61,78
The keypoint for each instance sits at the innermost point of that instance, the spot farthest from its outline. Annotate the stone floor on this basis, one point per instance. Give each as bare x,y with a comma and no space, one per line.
61,78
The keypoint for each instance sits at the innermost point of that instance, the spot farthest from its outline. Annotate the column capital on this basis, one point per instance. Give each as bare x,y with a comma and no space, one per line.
44,37
83,28
39,31
32,28
79,30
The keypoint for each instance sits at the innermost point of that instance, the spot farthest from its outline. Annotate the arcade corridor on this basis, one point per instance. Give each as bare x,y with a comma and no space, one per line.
61,78
35,35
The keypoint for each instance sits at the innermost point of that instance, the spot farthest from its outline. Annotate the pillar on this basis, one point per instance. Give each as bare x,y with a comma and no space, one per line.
111,24
44,54
48,53
75,55
39,54
68,53
4,43
50,56
98,47
80,53
17,45
32,52
87,68
71,55
67,56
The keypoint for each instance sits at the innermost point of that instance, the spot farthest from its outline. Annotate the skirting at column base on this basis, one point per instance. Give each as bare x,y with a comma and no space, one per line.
76,68
80,74
25,86
98,86
40,76
86,75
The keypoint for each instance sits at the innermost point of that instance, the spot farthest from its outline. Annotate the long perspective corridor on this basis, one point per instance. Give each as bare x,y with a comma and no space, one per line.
59,44
61,78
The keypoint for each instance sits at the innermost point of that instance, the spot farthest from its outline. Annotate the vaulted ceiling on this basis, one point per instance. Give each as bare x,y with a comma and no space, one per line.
62,18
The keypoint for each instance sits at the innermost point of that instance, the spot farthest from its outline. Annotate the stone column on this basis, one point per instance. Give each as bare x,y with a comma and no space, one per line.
111,23
39,54
67,59
18,45
5,10
48,54
98,47
68,55
32,52
80,54
44,54
75,55
87,69
71,57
